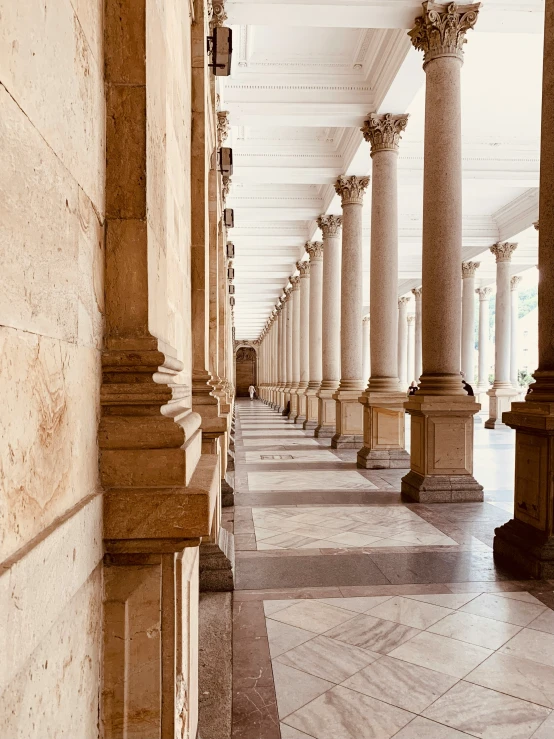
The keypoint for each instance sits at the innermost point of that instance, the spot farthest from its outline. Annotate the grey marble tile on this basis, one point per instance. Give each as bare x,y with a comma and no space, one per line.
328,658
294,688
500,608
423,728
404,685
546,729
359,605
313,615
418,614
454,600
486,713
283,637
313,480
533,645
521,678
484,632
287,732
373,633
544,622
441,654
344,714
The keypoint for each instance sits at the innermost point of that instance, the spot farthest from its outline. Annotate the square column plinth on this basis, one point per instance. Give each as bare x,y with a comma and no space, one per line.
349,420
526,543
293,405
301,410
384,432
327,414
441,456
500,402
311,409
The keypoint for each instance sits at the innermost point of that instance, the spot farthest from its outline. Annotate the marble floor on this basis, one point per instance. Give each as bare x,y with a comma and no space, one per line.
358,615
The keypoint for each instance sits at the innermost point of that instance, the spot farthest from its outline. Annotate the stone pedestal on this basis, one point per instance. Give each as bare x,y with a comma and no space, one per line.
326,413
383,431
441,455
349,420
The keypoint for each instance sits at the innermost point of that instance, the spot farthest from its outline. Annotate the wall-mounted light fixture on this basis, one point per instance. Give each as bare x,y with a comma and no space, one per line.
230,250
232,303
231,289
220,47
225,156
230,273
229,217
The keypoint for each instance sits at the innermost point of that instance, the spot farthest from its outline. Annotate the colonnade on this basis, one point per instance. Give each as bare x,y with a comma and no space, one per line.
431,339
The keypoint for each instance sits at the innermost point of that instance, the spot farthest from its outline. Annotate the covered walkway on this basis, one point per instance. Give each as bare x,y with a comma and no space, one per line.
358,616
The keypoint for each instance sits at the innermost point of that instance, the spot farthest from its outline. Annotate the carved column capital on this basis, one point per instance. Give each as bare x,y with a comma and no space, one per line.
403,301
536,225
222,127
469,269
503,252
303,268
315,250
484,293
441,30
417,292
225,185
351,189
384,131
218,14
514,282
330,225
411,319
295,282
366,319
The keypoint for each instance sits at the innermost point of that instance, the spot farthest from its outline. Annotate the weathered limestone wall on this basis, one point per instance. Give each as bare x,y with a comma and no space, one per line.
52,158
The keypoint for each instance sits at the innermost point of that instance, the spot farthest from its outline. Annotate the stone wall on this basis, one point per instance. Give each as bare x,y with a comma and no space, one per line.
52,159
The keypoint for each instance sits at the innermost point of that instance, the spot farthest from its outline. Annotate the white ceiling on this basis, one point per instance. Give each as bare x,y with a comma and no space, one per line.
305,76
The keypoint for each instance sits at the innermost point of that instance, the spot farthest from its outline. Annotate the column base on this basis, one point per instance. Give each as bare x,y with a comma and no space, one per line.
500,401
326,414
384,435
311,409
293,405
227,489
441,459
349,419
523,549
217,564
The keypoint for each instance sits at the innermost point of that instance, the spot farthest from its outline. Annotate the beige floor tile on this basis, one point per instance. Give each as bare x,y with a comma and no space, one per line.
287,732
439,653
320,544
524,596
484,632
545,622
328,658
487,714
373,633
546,729
283,637
409,612
404,685
530,644
294,481
294,688
345,714
454,600
313,616
359,605
492,605
520,678
288,540
261,546
352,539
423,728
272,606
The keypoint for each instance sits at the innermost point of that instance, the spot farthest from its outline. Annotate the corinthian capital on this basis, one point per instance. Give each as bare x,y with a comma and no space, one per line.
351,189
503,252
225,185
222,126
469,269
330,225
441,30
417,292
314,249
403,301
303,268
384,131
219,16
295,282
484,293
514,282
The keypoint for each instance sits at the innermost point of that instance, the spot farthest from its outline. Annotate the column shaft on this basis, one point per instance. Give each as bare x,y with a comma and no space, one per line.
468,320
411,349
417,358
365,350
315,250
514,376
402,348
295,346
304,268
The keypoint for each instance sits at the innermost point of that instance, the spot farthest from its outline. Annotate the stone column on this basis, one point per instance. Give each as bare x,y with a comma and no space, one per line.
514,376
468,320
411,349
275,357
331,229
527,541
484,294
441,463
365,349
349,414
288,388
502,393
417,356
315,250
295,297
403,343
282,357
304,269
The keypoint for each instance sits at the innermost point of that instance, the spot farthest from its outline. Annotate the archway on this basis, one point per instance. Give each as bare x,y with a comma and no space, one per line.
245,361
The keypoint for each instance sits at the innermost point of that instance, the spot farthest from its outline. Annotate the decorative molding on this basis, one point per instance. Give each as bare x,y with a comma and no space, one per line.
315,250
219,16
403,301
411,319
225,185
304,268
330,225
366,319
295,282
351,189
384,132
514,282
503,252
222,126
536,225
441,30
484,293
469,269
417,292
